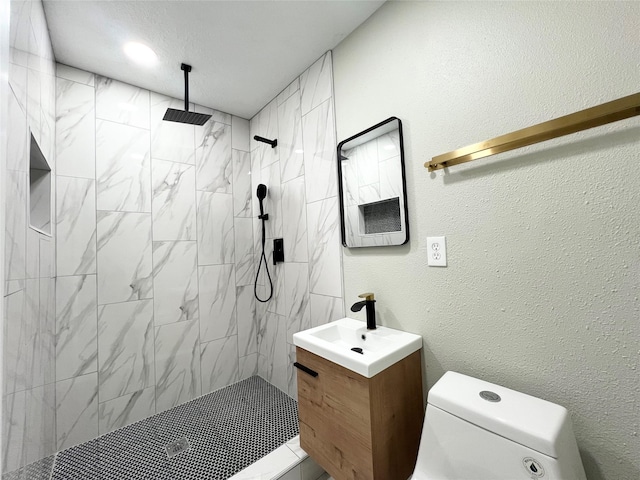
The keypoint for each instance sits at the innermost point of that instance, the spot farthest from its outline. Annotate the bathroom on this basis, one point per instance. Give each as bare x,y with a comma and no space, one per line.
541,291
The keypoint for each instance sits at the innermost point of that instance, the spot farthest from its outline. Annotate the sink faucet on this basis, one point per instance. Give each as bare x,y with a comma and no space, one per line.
369,303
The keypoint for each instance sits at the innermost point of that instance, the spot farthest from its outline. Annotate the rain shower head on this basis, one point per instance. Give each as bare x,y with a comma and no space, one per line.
185,116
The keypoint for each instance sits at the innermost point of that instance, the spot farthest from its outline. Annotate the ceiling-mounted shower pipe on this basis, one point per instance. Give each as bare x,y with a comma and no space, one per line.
273,143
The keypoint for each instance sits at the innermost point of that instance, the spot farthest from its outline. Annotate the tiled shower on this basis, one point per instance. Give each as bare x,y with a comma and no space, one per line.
142,296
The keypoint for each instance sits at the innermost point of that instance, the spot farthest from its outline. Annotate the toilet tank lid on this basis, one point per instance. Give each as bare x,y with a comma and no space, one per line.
527,420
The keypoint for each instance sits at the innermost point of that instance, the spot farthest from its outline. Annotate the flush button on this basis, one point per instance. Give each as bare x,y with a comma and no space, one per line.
490,396
533,467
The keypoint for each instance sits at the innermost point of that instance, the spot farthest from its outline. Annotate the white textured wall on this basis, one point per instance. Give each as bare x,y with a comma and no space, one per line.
542,289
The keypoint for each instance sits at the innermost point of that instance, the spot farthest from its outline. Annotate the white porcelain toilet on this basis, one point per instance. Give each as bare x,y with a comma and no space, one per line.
475,430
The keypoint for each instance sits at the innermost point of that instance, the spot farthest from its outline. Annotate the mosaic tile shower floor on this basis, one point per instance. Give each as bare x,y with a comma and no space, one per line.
227,430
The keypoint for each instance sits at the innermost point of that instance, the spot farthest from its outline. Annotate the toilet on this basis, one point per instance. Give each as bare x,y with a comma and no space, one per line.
475,430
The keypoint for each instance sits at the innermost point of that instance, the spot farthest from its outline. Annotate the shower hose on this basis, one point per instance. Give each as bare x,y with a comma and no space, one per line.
263,258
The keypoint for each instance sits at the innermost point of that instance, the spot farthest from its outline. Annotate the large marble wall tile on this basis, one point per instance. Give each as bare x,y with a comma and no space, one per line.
217,302
17,136
18,82
75,75
248,366
292,376
247,326
265,124
43,354
293,87
316,83
177,353
76,226
325,309
325,268
32,321
174,212
213,157
46,258
391,178
216,115
34,115
76,410
241,183
15,248
14,424
219,363
170,140
125,348
124,257
76,326
122,411
20,31
296,288
215,228
240,134
272,360
16,332
243,229
40,433
369,193
388,145
123,168
290,138
75,129
350,178
122,103
319,152
33,254
294,221
175,281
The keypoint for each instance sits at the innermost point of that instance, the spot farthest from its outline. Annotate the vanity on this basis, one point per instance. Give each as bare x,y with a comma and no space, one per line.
360,403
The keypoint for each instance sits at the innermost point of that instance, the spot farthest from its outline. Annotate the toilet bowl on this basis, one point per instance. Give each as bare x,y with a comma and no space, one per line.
475,430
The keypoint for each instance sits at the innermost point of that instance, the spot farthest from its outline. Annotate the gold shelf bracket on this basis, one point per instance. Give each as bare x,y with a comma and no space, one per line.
609,112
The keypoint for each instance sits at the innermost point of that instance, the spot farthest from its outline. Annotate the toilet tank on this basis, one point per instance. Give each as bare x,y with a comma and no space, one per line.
475,430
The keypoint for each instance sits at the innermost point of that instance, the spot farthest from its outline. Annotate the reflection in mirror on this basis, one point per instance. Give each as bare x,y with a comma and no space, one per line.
373,199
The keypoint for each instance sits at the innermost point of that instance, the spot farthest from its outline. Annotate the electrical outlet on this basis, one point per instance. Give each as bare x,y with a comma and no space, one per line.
437,252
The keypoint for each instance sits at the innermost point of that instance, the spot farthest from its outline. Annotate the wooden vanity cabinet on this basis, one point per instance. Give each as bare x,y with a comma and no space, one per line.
360,428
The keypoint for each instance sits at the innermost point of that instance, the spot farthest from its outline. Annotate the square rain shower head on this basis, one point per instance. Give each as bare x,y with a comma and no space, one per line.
182,116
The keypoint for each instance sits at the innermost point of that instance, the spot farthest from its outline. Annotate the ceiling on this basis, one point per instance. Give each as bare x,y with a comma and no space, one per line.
243,53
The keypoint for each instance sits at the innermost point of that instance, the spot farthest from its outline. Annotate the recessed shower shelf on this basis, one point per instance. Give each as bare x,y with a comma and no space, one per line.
625,107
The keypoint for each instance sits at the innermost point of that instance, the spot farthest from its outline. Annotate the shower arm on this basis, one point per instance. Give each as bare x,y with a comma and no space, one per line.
187,69
273,143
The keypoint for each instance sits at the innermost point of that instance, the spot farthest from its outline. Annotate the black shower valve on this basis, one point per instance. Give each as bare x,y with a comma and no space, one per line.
278,251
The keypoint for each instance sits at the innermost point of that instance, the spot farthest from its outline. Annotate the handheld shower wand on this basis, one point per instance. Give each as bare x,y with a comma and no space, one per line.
261,193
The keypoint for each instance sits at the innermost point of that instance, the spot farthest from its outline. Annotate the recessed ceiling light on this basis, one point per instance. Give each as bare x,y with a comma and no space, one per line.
140,53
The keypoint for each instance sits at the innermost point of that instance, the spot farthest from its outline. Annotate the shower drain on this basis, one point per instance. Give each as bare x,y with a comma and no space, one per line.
177,447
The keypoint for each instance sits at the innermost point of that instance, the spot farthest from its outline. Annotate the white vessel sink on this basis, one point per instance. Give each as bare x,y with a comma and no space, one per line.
381,347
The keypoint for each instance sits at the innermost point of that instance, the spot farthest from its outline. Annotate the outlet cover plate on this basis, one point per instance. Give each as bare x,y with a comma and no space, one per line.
437,251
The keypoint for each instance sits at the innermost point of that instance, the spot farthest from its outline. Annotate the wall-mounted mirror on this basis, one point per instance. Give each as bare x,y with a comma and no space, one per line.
373,198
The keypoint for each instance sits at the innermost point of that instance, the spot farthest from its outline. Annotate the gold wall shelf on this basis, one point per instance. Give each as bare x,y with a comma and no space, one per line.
609,112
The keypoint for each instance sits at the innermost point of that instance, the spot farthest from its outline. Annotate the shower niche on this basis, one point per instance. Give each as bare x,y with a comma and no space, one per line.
372,186
39,189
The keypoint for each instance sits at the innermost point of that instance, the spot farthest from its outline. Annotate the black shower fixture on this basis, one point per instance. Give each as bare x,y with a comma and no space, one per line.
273,143
185,116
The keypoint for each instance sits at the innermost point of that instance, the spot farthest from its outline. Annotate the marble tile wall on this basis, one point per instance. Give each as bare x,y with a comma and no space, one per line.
302,204
28,402
155,274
